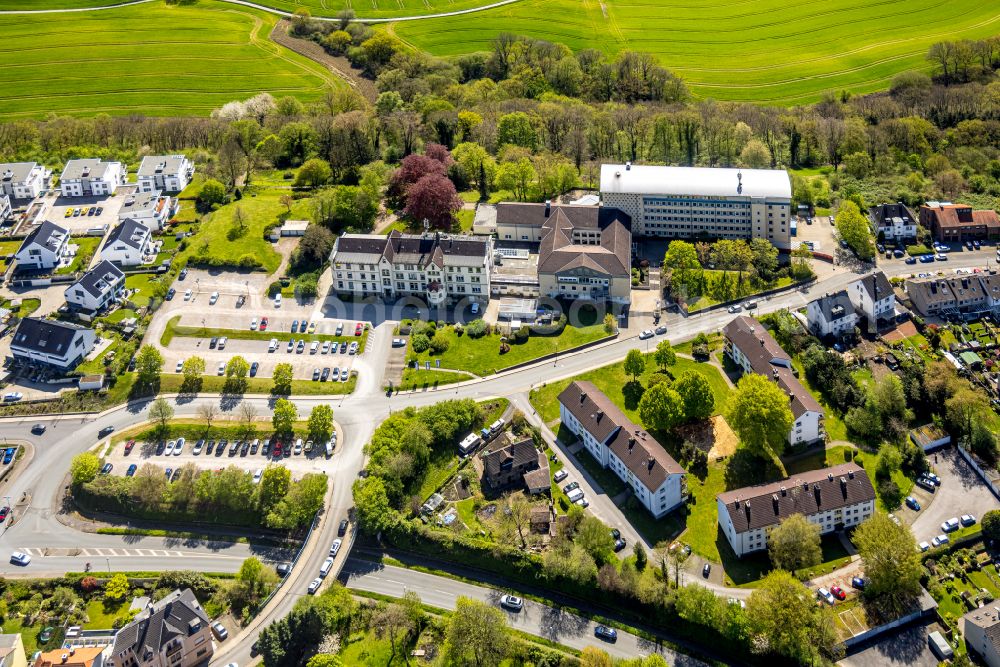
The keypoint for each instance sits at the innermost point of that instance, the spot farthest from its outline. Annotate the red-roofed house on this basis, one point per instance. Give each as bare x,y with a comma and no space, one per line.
950,223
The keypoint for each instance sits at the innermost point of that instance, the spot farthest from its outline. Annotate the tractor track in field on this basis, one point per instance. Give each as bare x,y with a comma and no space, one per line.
338,66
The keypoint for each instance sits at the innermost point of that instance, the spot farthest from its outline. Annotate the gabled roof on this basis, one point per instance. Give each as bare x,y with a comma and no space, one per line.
886,214
806,493
876,285
46,235
421,250
638,450
81,656
130,232
705,181
176,615
100,279
835,306
513,455
948,215
45,336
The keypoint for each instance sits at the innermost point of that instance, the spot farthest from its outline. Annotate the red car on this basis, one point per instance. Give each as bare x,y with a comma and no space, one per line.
128,447
263,324
838,593
358,329
3,513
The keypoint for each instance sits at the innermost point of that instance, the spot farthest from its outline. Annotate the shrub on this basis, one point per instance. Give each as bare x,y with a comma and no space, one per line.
521,335
273,288
476,329
439,343
420,342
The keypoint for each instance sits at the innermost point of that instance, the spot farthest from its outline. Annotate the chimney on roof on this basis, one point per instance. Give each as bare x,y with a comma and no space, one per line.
600,414
628,166
746,507
843,486
816,492
850,474
829,476
805,486
784,492
583,396
548,207
774,502
631,443
64,657
650,463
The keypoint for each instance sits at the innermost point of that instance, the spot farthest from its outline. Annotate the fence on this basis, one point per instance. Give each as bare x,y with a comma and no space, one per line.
983,472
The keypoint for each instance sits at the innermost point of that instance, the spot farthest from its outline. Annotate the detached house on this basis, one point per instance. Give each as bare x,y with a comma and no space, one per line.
150,208
895,222
23,180
173,632
658,482
91,178
51,344
516,464
873,298
128,244
167,173
97,289
42,248
753,349
832,315
833,498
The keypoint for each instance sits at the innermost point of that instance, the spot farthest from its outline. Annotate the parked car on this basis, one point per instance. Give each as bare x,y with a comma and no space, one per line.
967,519
335,547
179,447
950,525
12,397
253,324
295,326
735,308
939,540
342,528
283,569
560,475
511,602
935,480
706,570
826,596
212,299
359,329
263,324
219,631
317,582
620,544
169,451
106,468
927,484
325,568
858,582
645,333
131,470
838,593
170,294
605,633
277,300
923,546
912,503
20,558
345,375
660,330
325,375
910,260
569,487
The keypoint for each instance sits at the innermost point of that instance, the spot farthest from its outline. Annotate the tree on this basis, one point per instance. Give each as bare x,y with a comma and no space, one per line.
517,129
207,411
756,154
274,484
610,324
433,198
84,468
314,248
161,412
782,618
891,562
282,378
760,416
393,621
696,392
477,634
794,544
516,176
664,355
661,408
212,193
248,415
515,518
148,363
149,485
635,364
853,228
313,173
991,525
681,258
192,369
375,513
325,659
596,538
117,588
591,656
252,582
285,415
321,422
237,369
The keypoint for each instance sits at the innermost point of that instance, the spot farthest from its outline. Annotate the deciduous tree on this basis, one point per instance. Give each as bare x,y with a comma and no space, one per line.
664,355
696,392
148,364
477,634
760,416
161,412
794,544
321,422
433,198
783,618
84,468
284,416
117,588
853,228
661,408
274,484
891,562
635,364
282,378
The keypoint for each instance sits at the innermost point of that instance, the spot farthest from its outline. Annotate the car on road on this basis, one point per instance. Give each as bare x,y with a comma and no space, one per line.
315,583
620,544
106,468
263,324
939,540
107,430
38,429
12,396
735,308
912,503
170,294
838,593
560,475
212,299
660,330
253,369
706,570
511,602
335,547
20,558
950,525
219,631
325,568
826,596
128,447
967,520
131,470
858,582
605,633
342,528
645,333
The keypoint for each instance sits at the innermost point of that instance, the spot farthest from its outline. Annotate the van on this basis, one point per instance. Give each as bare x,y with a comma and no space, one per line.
314,347
574,495
327,566
273,346
329,448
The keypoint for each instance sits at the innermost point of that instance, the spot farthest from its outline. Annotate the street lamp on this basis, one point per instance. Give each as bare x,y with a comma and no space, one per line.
108,561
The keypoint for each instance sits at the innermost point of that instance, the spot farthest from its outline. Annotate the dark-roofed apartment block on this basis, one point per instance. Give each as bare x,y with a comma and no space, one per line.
173,632
958,222
97,289
43,248
616,442
51,344
832,498
437,268
753,349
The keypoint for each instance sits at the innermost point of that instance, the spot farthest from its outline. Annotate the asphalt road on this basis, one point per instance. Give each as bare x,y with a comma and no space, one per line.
961,492
536,619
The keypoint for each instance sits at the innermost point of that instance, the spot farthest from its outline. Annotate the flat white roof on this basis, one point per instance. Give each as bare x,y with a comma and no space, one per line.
705,181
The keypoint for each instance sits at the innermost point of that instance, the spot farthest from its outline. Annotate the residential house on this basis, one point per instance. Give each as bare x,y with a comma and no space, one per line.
832,315
981,629
173,632
150,208
91,177
951,223
23,180
80,656
874,298
966,294
6,210
832,498
100,287
752,348
701,202
43,248
895,222
166,173
12,651
51,344
129,244
436,268
658,482
515,464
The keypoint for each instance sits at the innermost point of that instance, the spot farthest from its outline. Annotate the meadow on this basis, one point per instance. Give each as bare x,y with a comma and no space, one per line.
749,50
151,58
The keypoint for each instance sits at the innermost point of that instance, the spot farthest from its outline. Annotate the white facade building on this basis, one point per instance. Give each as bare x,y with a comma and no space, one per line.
91,177
23,180
701,202
656,479
981,629
895,222
129,244
832,498
5,207
43,248
97,289
166,173
150,208
832,315
51,344
753,349
874,298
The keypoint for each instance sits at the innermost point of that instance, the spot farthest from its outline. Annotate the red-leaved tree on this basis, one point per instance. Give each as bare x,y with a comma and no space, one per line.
433,198
435,160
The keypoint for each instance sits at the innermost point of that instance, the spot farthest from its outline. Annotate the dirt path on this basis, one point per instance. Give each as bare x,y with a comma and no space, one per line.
336,64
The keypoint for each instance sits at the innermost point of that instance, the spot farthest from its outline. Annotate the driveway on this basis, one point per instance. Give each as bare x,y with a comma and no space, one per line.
907,647
961,492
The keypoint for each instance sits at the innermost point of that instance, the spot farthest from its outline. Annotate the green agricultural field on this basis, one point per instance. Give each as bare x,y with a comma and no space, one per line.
161,60
762,51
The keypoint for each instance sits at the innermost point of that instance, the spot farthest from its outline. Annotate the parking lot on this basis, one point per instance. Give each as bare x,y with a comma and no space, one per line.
79,224
961,492
821,234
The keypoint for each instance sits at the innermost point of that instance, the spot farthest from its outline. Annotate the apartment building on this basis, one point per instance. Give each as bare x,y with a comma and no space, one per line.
981,629
752,348
12,651
832,498
436,268
958,223
51,344
91,177
701,202
43,248
23,180
173,632
873,298
79,656
658,482
97,289
895,222
129,244
965,294
152,209
164,173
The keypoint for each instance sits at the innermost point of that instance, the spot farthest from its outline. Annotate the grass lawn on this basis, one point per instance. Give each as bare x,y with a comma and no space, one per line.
27,307
465,218
103,616
832,421
482,355
747,571
173,328
86,246
612,379
7,249
366,649
422,379
732,51
183,59
172,383
745,291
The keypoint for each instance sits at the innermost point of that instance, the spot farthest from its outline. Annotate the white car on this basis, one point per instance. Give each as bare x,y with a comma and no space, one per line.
277,300
12,396
314,585
222,367
257,474
253,324
212,299
20,558
967,519
645,333
326,567
923,546
179,447
826,596
475,309
939,540
335,547
169,451
950,525
511,602
560,475
180,365
735,308
221,345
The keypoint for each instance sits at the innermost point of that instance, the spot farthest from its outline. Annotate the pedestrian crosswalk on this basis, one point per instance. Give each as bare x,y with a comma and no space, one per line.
105,552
